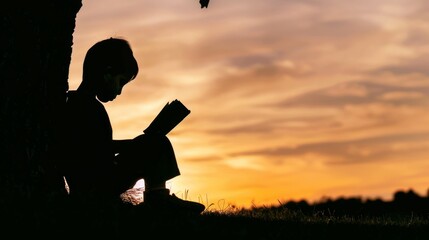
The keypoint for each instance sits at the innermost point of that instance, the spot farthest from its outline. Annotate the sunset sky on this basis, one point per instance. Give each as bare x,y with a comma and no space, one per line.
289,99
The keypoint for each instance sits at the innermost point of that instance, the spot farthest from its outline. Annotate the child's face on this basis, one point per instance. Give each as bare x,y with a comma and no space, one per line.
111,87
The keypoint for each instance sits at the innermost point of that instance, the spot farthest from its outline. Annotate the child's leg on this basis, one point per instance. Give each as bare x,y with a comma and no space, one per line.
150,158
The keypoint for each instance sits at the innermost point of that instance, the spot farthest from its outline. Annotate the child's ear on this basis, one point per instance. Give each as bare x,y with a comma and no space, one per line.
107,76
107,73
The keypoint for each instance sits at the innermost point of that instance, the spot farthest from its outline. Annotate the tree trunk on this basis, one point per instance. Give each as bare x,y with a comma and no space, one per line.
36,45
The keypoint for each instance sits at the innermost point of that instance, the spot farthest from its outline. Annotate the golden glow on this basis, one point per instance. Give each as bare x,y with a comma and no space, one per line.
288,99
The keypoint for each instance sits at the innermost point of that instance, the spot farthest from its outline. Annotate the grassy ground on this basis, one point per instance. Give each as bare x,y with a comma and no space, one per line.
268,223
405,218
260,223
264,223
273,224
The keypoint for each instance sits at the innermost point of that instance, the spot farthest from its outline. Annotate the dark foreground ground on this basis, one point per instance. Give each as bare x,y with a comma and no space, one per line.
244,224
406,217
213,226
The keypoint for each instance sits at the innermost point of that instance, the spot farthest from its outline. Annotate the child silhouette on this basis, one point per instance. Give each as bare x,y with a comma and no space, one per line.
98,168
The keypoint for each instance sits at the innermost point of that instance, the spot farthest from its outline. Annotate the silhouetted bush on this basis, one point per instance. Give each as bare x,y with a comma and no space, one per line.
404,202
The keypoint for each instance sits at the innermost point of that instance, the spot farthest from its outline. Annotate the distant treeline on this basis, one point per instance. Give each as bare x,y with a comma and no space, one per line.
403,202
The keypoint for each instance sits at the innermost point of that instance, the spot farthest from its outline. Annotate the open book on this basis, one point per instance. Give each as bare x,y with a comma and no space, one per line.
168,118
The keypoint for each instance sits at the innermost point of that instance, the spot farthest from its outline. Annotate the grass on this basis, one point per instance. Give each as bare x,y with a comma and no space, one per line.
218,221
282,223
224,221
273,224
259,223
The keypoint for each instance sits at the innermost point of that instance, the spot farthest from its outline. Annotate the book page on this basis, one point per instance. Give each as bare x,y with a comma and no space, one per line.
168,118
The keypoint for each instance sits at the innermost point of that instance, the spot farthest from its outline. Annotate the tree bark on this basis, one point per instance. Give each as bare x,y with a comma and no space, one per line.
35,50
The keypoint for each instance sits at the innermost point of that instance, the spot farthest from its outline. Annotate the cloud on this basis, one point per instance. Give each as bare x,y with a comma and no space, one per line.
360,93
418,64
353,151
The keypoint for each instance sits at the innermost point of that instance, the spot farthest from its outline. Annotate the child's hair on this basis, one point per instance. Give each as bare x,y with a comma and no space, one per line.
112,55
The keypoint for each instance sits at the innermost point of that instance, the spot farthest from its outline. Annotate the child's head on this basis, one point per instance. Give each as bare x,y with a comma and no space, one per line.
110,56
